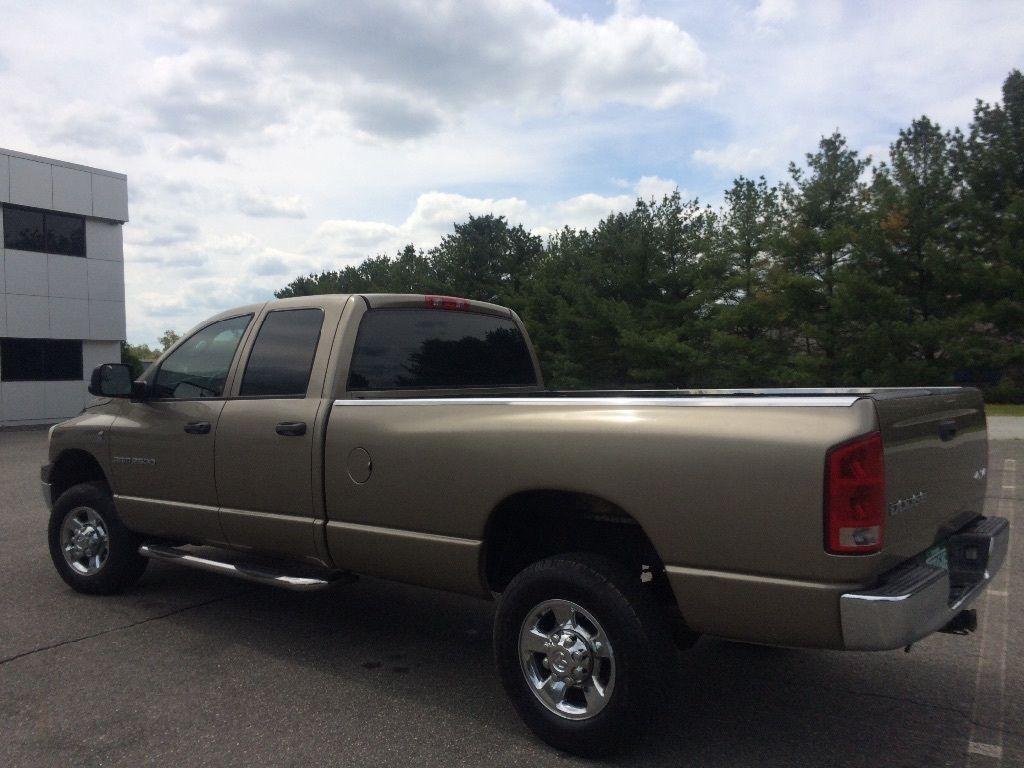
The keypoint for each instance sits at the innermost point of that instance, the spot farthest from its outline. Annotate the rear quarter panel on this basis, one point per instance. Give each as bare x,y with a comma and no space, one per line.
722,488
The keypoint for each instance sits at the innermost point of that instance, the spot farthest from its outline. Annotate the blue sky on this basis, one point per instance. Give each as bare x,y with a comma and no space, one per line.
265,139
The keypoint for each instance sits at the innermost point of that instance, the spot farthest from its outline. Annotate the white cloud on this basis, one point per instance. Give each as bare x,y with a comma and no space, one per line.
403,69
589,208
430,219
858,67
209,93
771,12
232,119
655,187
260,205
435,213
737,158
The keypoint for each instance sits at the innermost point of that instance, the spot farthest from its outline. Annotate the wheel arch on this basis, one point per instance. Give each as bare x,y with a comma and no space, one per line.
74,466
530,525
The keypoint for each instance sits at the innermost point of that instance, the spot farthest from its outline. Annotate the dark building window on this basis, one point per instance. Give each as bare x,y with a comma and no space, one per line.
282,357
29,229
429,348
40,360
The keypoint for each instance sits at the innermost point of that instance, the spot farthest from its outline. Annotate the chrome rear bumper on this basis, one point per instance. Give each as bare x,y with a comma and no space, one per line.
917,599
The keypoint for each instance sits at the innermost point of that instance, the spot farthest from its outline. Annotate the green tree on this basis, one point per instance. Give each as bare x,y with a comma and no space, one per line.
991,236
486,259
748,346
135,356
168,339
911,272
825,209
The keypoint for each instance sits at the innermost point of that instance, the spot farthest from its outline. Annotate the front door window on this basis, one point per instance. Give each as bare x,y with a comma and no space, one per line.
199,367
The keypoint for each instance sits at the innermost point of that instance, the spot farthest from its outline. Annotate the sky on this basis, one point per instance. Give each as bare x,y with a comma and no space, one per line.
268,139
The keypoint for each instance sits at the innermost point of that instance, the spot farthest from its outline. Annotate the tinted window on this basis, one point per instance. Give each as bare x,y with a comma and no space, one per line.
65,234
419,348
40,360
23,229
199,367
282,356
33,230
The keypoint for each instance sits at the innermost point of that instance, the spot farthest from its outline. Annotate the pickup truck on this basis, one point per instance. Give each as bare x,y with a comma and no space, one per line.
304,441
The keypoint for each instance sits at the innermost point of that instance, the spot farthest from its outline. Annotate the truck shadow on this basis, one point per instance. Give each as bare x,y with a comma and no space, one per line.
729,704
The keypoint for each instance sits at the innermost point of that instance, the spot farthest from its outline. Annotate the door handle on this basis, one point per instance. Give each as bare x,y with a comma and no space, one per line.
947,430
291,428
198,427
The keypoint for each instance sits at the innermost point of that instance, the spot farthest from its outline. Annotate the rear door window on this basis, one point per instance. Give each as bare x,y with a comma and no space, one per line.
282,357
437,349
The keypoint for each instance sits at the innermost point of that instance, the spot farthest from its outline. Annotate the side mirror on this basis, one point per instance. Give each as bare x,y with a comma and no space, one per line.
111,380
140,390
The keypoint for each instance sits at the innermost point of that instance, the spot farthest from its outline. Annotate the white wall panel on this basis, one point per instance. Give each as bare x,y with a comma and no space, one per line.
109,197
24,400
25,272
5,179
69,318
28,317
72,190
62,399
98,352
68,276
106,279
106,319
31,183
103,240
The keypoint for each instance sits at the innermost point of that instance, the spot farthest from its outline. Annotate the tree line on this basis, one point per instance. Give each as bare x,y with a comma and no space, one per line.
907,271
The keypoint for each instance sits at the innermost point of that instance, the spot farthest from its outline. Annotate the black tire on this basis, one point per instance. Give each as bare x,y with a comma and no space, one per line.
122,565
633,624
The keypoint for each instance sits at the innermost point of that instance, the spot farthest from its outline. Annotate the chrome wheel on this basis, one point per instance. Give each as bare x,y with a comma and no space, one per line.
567,659
85,540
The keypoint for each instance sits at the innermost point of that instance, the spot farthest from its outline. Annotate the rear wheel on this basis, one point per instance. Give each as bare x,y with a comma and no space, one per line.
91,549
581,648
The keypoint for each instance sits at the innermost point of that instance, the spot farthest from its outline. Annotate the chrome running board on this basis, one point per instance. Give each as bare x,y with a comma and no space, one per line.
260,574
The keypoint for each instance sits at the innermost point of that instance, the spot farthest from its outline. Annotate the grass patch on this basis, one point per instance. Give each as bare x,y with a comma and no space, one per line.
1004,410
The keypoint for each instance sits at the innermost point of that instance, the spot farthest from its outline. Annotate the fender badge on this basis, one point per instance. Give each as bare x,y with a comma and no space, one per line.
980,474
900,506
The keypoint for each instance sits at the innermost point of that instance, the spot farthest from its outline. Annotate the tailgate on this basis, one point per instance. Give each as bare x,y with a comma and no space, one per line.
936,452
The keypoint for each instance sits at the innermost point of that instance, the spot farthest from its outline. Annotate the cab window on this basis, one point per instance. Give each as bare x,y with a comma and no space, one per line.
199,367
425,349
282,357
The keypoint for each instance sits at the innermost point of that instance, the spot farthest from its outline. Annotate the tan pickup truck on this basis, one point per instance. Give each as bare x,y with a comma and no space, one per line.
302,441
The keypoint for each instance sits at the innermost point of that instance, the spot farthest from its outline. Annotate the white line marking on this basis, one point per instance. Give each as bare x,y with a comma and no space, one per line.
988,750
990,700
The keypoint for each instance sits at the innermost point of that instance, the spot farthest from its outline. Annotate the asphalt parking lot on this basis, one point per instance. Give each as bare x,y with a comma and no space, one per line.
195,669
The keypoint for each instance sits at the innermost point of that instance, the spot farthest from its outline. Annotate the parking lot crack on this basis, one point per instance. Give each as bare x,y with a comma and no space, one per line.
121,628
929,705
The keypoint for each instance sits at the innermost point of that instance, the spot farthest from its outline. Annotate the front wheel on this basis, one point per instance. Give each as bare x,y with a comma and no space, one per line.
91,549
581,648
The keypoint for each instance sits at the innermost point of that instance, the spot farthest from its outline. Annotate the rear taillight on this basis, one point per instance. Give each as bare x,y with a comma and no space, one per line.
446,302
855,496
